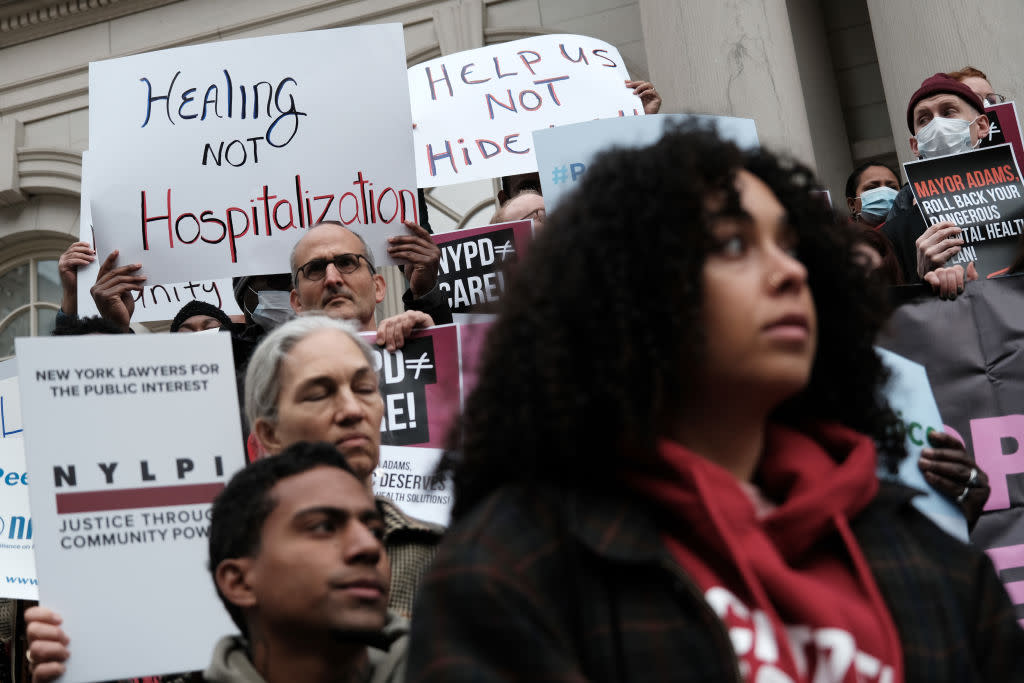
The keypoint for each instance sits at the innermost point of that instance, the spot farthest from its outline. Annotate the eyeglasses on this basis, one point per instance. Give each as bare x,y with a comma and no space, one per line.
345,263
992,99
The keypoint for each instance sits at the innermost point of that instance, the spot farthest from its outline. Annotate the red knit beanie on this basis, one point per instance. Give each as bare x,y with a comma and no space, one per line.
941,83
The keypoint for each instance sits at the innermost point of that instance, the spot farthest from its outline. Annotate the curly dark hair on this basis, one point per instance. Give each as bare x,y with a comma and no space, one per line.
600,331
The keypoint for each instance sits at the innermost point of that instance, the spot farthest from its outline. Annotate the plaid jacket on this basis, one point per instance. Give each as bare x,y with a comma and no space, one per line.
411,545
554,586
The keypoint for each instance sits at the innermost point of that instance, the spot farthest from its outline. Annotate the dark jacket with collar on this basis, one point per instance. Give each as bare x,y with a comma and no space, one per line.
545,585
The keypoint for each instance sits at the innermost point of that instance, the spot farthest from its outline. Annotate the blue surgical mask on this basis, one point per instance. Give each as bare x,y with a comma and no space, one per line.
942,137
273,308
875,204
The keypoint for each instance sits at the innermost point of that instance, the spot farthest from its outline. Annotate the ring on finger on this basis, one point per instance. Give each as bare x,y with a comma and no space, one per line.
973,479
962,496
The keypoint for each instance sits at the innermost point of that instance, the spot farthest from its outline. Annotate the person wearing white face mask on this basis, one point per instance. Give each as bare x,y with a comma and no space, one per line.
945,117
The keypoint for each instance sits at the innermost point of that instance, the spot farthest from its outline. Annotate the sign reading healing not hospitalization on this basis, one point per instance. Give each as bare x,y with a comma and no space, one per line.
211,161
128,440
982,193
154,301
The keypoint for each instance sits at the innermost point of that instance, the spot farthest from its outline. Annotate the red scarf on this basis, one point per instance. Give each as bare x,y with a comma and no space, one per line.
788,581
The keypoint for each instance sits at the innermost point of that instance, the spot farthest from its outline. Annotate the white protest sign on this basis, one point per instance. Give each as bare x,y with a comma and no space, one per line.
475,110
405,475
564,153
910,396
154,302
128,439
210,161
10,408
16,558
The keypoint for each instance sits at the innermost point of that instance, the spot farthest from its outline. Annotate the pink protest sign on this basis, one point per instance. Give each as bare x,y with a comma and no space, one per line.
1005,127
476,262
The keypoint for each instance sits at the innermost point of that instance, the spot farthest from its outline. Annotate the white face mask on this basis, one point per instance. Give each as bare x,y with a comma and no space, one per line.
942,137
272,309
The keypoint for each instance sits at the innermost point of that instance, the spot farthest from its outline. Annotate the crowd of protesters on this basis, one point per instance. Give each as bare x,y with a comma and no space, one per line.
668,469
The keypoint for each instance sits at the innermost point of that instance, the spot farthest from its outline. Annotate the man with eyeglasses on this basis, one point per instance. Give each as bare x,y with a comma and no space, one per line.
945,117
333,271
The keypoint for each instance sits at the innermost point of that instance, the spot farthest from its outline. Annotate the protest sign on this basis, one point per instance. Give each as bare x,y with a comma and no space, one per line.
212,160
474,262
128,439
910,396
422,389
982,193
475,110
406,476
564,153
10,408
154,302
420,384
1004,126
971,347
16,557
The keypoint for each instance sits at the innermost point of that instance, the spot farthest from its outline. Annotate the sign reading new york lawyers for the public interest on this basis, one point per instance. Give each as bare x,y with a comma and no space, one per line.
211,160
476,262
982,193
128,440
475,110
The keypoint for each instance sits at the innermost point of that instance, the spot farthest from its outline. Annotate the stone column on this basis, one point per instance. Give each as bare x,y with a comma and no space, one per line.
744,59
917,38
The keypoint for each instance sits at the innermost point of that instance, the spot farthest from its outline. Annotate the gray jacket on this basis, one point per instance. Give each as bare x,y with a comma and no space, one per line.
231,663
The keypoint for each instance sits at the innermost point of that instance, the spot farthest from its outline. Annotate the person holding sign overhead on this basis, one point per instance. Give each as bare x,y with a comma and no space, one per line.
691,493
333,271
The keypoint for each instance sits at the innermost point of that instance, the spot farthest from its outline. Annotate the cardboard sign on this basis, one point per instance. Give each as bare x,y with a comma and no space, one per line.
475,110
564,153
910,396
128,440
154,302
16,555
211,161
419,411
421,386
982,193
10,408
474,262
1004,127
406,476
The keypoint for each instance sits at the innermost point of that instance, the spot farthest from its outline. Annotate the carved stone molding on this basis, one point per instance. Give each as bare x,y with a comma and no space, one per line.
28,20
50,171
459,25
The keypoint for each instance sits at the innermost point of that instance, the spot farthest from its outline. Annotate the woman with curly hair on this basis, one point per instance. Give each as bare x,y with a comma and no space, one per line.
668,468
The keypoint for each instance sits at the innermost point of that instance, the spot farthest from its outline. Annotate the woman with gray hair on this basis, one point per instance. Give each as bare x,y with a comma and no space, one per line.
314,379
